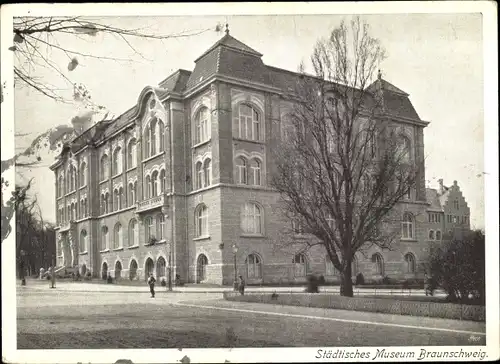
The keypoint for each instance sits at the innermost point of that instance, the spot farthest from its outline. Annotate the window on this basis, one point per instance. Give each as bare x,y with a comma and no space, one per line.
297,226
61,186
117,200
408,194
251,219
202,126
201,217
148,225
254,266
132,154
410,263
132,193
407,227
83,174
256,169
330,269
161,136
249,123
241,165
438,235
154,184
163,181
331,222
104,167
122,198
455,203
199,175
431,235
117,238
300,265
133,233
207,171
108,202
152,132
83,241
104,238
403,149
148,191
160,226
117,161
379,264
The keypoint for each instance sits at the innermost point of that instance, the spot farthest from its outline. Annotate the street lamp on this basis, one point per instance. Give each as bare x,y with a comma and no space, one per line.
235,285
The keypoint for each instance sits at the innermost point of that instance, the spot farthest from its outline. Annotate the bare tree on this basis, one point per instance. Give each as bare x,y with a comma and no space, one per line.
340,167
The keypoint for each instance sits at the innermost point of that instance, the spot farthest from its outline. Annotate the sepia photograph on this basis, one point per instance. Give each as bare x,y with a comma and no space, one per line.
260,182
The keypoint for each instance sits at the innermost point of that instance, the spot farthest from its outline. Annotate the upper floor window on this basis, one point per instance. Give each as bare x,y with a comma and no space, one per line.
163,181
251,219
300,265
104,167
403,149
83,174
456,205
431,235
201,223
379,264
249,123
297,226
160,227
438,235
207,171
132,154
132,193
104,238
147,190
410,263
83,241
154,184
202,126
148,228
133,233
161,136
117,161
407,226
255,166
61,186
117,241
199,175
241,165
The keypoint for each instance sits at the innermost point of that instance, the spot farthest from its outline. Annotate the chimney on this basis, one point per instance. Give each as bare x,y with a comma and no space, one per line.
441,187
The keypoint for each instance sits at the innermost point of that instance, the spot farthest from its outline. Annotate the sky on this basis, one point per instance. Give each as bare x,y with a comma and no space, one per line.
436,58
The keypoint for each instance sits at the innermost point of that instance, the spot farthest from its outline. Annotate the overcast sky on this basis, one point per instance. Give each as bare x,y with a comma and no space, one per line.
437,59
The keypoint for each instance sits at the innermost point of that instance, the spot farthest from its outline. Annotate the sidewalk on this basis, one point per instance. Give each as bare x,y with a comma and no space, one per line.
200,288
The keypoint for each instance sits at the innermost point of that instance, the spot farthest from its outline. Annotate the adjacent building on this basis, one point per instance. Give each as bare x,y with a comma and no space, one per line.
182,178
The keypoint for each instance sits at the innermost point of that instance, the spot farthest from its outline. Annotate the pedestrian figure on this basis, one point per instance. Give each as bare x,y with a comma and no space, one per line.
241,286
151,282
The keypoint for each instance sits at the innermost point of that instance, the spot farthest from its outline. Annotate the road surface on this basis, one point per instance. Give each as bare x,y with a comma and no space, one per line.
61,319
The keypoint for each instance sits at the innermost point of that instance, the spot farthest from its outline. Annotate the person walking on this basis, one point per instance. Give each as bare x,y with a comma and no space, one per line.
241,286
151,282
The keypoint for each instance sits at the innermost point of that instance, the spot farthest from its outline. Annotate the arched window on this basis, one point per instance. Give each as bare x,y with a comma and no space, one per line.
163,181
300,265
161,136
254,266
117,161
154,184
249,123
132,189
148,190
241,166
160,227
407,226
202,126
199,175
330,269
410,263
297,226
117,238
379,264
103,204
132,154
122,198
148,228
201,217
152,131
107,198
83,241
431,235
161,265
104,238
403,149
61,186
147,141
133,233
83,174
207,171
104,167
117,199
251,219
256,170
438,235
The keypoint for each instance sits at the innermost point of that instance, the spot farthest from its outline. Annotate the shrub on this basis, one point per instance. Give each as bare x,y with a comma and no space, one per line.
386,280
163,282
360,279
322,279
109,279
312,284
49,277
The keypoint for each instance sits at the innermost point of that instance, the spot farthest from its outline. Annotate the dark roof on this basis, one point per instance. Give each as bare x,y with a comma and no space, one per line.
176,82
231,42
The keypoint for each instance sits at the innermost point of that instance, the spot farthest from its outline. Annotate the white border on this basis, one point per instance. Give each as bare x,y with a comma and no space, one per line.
488,10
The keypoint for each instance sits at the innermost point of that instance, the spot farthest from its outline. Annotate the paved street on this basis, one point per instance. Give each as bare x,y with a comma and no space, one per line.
58,318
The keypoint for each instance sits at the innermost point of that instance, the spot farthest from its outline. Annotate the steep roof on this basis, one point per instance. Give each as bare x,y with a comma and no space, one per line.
176,82
233,43
432,198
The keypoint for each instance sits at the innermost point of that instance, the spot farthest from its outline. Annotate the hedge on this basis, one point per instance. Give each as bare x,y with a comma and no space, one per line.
391,306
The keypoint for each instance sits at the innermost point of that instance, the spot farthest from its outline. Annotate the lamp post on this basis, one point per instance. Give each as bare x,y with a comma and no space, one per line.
235,284
164,210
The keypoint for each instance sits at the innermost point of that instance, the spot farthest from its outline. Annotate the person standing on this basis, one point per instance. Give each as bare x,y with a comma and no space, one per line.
151,282
241,286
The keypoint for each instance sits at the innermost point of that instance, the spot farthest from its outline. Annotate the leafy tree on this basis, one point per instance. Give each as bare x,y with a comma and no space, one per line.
340,166
458,267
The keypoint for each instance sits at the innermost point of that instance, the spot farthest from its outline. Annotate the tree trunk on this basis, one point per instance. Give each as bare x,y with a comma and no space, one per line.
346,282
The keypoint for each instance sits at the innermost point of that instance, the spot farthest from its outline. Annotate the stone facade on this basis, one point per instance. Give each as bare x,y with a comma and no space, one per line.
165,184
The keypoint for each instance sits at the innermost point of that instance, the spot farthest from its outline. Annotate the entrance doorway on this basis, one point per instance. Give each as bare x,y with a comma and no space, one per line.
201,264
104,270
148,268
118,270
